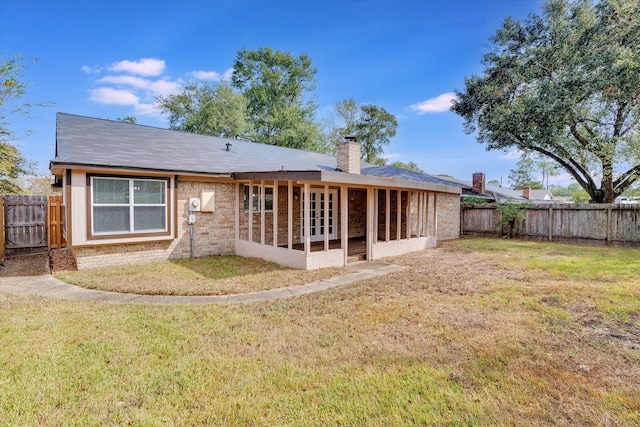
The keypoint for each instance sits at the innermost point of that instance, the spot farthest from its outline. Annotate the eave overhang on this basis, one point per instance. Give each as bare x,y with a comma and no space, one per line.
343,178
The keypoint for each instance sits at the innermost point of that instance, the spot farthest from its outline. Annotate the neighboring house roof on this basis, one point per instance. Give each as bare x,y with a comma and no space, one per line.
540,195
492,192
85,141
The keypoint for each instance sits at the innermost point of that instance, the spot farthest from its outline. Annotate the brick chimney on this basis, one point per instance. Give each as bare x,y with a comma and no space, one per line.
526,192
348,155
477,184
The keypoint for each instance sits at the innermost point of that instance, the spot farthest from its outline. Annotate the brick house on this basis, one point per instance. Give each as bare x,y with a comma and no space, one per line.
131,191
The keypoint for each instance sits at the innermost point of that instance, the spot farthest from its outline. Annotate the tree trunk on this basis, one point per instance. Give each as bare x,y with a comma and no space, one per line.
606,193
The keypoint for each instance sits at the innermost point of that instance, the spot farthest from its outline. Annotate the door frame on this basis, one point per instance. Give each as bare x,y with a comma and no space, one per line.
333,195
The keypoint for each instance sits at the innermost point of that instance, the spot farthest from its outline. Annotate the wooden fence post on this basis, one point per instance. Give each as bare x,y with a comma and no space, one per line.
550,225
609,224
1,227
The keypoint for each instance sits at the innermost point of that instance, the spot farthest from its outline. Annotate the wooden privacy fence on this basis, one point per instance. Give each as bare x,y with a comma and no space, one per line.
31,223
606,224
57,238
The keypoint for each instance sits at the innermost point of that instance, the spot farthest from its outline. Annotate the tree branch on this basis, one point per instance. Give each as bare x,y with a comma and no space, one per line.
625,180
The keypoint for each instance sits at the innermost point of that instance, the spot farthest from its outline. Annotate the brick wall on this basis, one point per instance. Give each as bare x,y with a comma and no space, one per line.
214,232
357,213
448,216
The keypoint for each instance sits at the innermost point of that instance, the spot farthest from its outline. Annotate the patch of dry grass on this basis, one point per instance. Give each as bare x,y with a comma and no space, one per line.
467,336
222,275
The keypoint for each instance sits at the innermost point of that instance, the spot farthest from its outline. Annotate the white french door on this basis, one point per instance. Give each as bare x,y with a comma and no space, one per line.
316,214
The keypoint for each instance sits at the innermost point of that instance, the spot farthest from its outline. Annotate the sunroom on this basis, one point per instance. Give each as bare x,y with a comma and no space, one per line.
317,219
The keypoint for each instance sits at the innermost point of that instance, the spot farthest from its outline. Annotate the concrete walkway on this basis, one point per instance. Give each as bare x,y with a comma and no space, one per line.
45,285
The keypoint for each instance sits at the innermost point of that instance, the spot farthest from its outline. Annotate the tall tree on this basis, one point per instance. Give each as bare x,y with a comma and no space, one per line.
277,87
412,166
346,112
12,90
564,84
522,176
547,169
208,109
374,130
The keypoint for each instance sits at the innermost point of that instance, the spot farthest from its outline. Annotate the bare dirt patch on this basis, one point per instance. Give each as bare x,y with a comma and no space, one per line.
25,265
62,260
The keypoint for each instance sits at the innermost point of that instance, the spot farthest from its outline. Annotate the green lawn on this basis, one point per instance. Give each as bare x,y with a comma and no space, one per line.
218,275
477,333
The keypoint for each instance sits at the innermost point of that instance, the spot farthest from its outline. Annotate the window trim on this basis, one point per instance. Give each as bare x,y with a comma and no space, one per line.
91,235
256,197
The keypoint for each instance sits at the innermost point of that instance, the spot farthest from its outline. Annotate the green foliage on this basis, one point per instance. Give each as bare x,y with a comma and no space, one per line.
522,176
412,166
128,119
494,182
208,110
580,196
276,86
547,169
564,84
512,214
374,130
372,126
474,200
12,89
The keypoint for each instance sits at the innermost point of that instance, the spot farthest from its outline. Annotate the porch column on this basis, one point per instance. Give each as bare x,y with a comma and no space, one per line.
370,225
426,214
237,219
398,214
275,213
418,214
376,214
387,217
409,199
250,211
435,216
290,215
326,217
262,214
344,222
307,222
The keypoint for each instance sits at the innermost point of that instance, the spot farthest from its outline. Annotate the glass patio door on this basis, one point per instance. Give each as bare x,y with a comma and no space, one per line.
316,214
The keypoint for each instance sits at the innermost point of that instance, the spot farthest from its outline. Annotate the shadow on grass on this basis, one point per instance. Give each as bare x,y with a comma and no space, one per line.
225,266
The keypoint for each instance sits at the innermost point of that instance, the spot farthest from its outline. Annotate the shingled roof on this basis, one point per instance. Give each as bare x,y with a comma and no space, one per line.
85,141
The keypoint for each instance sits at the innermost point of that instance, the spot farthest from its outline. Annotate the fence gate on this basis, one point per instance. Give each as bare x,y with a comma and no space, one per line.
25,224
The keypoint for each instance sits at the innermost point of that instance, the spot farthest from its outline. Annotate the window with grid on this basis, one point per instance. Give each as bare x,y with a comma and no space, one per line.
128,205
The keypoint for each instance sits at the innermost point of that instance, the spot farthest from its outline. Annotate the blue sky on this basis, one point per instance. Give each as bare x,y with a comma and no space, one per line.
111,58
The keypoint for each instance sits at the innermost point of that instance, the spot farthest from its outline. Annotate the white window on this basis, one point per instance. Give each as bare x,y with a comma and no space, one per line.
128,205
255,197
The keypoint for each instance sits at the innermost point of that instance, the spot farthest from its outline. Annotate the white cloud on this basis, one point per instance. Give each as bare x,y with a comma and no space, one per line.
143,67
147,110
156,87
434,105
563,179
511,155
138,82
164,87
109,95
206,75
213,76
